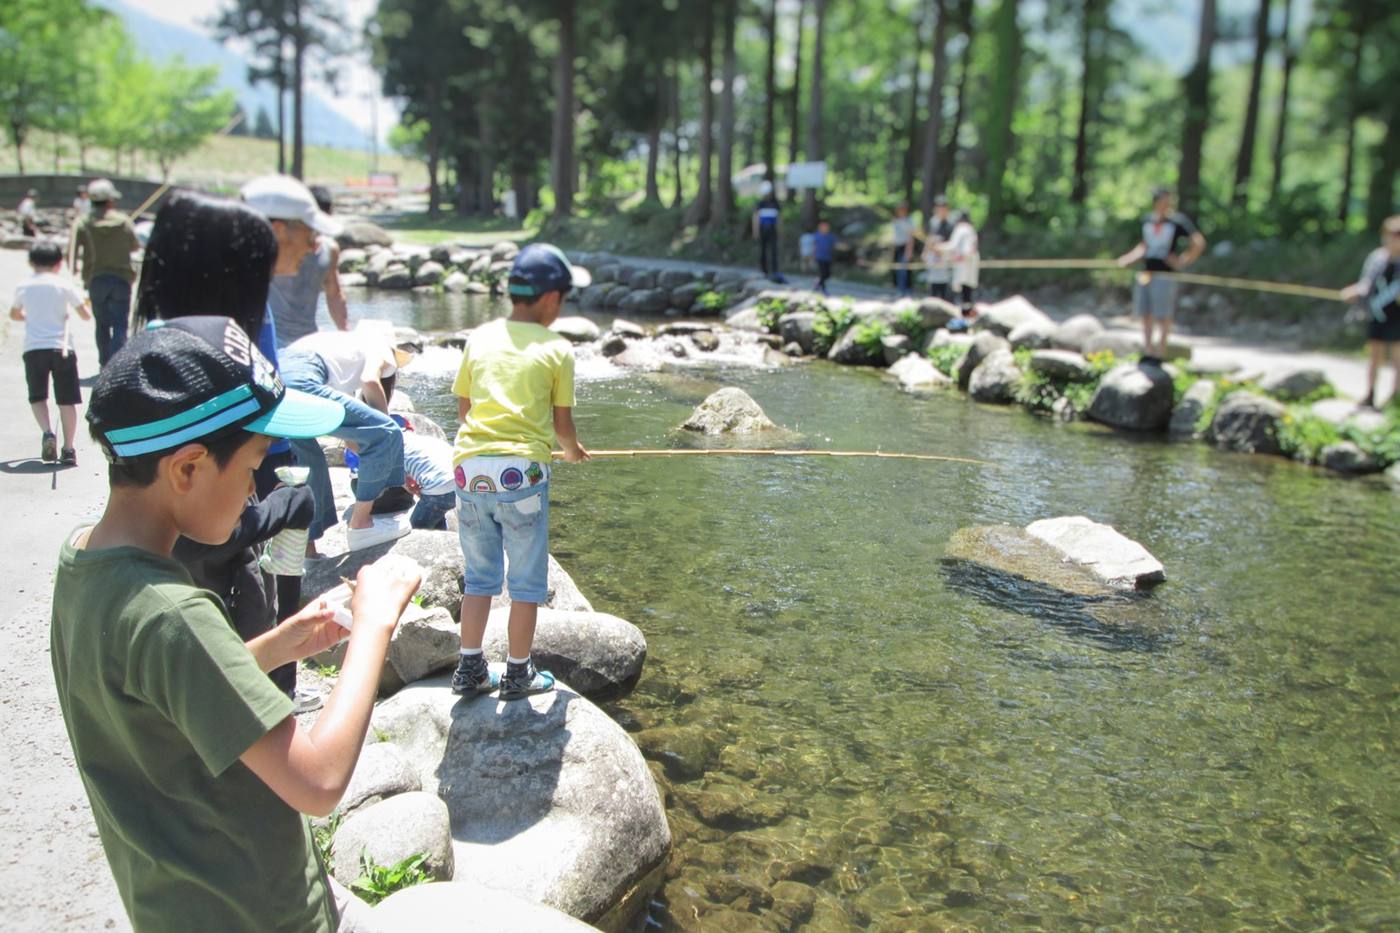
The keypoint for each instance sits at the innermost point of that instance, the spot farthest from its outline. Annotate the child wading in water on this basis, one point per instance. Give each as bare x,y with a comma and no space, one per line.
195,767
515,394
42,302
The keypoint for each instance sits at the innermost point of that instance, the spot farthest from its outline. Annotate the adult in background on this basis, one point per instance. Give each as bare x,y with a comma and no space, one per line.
82,207
940,229
1154,294
767,218
1379,291
902,247
294,298
28,211
963,252
105,242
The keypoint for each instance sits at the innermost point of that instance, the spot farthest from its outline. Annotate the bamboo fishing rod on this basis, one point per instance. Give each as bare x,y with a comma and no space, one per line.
1110,265
768,452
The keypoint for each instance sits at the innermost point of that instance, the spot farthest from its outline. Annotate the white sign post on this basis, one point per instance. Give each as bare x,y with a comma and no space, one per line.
806,175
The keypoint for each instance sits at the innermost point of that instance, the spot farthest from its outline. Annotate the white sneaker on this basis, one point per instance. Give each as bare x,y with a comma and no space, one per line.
304,701
385,528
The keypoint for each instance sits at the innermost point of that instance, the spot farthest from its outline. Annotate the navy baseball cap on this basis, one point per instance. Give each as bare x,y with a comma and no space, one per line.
542,268
195,379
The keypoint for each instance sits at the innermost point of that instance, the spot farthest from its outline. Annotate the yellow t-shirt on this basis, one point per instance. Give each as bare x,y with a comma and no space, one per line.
514,373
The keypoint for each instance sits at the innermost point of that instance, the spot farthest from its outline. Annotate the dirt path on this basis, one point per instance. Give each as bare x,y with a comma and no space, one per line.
53,874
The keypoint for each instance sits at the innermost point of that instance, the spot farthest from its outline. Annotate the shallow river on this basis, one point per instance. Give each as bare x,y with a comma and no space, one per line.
853,734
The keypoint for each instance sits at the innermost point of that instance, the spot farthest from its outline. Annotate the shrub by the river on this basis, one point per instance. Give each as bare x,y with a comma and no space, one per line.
830,324
379,881
712,302
910,323
868,336
946,358
1302,435
1039,392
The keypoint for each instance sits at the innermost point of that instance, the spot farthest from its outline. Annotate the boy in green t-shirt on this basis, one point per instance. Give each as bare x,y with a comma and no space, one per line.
515,394
192,761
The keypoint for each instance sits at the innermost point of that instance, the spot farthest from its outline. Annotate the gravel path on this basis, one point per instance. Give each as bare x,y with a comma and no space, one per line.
53,874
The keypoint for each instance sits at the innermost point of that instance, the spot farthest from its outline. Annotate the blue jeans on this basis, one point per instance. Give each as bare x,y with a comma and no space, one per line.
513,524
431,511
378,438
111,306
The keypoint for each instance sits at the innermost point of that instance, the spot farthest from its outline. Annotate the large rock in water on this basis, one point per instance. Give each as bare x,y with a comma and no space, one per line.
1247,423
1061,364
1189,410
995,379
576,329
404,825
1134,396
1118,561
983,346
549,798
1002,317
439,907
1074,332
916,374
798,327
1293,384
728,411
1347,457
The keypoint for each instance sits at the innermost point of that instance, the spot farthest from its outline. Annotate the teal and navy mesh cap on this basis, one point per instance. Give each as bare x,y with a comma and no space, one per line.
542,268
194,379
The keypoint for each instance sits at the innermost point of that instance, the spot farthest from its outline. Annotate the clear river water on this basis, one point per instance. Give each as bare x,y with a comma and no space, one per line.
852,733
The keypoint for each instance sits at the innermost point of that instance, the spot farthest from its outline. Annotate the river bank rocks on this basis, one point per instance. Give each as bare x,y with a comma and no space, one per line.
438,908
1135,397
1247,423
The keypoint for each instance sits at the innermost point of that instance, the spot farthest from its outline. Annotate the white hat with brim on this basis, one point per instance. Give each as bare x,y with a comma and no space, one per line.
281,197
103,190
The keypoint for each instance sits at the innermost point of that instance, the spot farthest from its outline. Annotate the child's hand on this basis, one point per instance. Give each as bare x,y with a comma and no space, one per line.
383,589
312,630
577,454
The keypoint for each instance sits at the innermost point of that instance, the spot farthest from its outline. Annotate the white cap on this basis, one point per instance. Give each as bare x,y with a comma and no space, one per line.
103,190
766,188
281,197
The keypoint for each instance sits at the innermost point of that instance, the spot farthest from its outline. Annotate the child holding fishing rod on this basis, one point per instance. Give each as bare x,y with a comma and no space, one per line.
43,303
1379,290
1154,294
515,395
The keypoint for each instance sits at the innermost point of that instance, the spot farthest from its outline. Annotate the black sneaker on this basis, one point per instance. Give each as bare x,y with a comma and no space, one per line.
522,680
473,676
48,447
69,457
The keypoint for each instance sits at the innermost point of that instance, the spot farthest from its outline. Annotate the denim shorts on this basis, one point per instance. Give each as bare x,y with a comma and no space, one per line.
513,525
1156,297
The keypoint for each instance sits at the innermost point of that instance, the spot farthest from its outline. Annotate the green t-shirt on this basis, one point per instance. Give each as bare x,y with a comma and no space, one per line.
514,373
104,246
161,698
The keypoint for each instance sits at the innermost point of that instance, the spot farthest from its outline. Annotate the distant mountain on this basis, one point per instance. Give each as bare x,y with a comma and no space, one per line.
161,40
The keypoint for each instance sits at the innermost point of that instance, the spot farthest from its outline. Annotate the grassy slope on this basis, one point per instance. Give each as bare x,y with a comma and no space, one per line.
222,163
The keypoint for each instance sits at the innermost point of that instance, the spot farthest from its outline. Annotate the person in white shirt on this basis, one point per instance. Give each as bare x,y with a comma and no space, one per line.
28,211
962,250
82,204
902,244
43,302
940,228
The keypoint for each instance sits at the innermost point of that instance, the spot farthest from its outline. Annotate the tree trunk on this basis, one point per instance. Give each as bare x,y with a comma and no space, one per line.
1244,162
1008,39
933,127
911,148
770,93
562,170
653,157
1196,89
1353,114
298,90
950,153
699,212
486,147
815,148
724,203
678,197
795,98
1290,57
1385,166
17,137
1088,76
281,116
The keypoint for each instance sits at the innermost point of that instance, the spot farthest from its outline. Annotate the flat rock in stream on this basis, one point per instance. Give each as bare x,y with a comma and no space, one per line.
1072,554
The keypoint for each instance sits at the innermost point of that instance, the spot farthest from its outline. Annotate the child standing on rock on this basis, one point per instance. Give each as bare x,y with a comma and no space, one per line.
515,395
42,302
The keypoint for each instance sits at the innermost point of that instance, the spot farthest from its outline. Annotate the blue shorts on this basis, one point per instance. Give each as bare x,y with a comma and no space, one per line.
1156,298
513,525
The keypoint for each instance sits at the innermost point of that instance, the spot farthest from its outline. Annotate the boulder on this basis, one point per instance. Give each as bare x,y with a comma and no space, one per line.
1293,384
424,425
549,798
438,907
1061,364
683,296
456,281
616,297
706,341
793,348
982,346
945,338
353,280
597,654
607,272
1188,411
380,772
1073,333
351,260
576,329
611,345
408,824
504,251
689,328
995,379
936,313
797,327
641,279
646,301
1118,561
628,329
1392,476
429,273
1137,397
895,347
1012,552
847,351
728,411
1031,335
673,278
1002,317
594,297
1343,412
396,277
363,233
1347,457
441,253
916,374
480,265
1247,423
1121,343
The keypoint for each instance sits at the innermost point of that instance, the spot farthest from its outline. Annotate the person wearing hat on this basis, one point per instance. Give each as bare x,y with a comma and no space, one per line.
197,772
515,396
767,228
940,230
28,211
82,206
356,370
294,296
1154,293
106,240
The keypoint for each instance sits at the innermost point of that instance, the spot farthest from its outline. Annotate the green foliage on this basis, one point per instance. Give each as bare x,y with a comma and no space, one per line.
377,882
911,323
946,358
1302,435
769,310
1039,392
324,835
712,301
868,335
830,324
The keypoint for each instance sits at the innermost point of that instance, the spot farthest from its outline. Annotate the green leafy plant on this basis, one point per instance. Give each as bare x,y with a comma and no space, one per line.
830,324
377,882
768,311
946,358
324,836
712,301
418,599
868,336
911,323
1302,435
